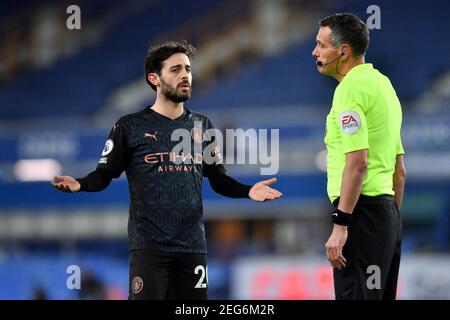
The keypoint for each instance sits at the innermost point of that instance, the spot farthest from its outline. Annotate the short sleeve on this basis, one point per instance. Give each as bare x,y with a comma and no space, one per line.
115,157
399,147
349,107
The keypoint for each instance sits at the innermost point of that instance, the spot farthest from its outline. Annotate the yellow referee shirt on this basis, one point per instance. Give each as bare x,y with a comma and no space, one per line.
366,114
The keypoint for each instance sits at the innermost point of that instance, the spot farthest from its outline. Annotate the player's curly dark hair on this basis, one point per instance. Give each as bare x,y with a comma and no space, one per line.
347,28
157,54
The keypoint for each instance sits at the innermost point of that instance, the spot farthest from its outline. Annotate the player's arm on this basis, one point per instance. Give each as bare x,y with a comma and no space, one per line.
223,184
95,181
113,161
399,180
227,186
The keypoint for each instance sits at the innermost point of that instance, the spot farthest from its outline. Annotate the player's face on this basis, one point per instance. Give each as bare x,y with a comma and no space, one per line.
176,78
325,53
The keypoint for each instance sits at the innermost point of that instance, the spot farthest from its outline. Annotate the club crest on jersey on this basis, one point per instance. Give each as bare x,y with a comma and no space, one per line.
350,122
109,145
137,284
197,135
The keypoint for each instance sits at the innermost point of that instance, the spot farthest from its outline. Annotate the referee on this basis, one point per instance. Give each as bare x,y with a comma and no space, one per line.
364,164
165,228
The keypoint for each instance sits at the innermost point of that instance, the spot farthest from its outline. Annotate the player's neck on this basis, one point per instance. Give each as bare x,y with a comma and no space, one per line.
345,68
169,109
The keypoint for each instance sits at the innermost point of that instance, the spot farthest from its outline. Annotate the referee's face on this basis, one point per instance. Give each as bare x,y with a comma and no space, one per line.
176,78
326,55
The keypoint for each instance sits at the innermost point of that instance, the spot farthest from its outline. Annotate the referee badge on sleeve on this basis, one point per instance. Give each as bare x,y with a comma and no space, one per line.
350,122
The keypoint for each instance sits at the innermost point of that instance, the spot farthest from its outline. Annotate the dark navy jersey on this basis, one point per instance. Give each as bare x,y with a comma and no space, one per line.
165,185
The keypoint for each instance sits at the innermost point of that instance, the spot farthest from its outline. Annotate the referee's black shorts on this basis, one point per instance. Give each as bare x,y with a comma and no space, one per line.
372,251
156,275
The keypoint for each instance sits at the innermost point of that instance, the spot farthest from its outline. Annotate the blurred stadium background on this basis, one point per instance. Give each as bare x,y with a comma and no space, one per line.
61,90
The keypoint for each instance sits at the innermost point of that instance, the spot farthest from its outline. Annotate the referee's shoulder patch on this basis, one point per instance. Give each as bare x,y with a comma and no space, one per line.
350,122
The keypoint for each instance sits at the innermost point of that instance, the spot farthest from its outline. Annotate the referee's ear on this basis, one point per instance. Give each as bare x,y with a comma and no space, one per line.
153,78
345,52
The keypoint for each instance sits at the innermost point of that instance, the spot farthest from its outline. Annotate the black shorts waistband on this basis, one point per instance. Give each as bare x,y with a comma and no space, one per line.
364,198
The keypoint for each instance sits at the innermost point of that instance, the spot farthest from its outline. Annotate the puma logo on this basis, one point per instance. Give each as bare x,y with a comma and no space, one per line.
151,136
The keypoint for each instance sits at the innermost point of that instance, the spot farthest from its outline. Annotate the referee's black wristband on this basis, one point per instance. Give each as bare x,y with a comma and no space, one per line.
340,217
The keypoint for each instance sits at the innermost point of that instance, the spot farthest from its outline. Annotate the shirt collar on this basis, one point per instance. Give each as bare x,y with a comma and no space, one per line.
362,66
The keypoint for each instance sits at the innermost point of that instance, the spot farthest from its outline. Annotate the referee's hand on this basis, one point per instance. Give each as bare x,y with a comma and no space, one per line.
334,246
262,192
66,184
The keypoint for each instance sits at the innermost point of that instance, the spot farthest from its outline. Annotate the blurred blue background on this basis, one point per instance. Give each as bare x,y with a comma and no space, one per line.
61,90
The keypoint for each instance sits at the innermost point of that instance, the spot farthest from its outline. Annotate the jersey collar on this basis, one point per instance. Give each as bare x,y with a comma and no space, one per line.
362,66
151,111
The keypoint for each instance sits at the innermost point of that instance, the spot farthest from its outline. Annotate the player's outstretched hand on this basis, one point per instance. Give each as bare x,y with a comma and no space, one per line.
262,192
66,184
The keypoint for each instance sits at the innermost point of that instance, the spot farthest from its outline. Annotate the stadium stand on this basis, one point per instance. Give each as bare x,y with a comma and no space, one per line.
63,110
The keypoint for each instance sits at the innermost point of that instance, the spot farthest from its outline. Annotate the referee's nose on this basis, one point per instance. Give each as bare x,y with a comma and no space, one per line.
315,53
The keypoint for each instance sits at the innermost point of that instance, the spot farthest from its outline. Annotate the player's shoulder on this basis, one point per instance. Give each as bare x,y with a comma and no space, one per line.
366,82
132,117
197,116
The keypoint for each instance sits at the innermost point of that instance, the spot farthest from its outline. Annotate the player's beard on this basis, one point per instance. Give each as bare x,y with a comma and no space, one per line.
173,94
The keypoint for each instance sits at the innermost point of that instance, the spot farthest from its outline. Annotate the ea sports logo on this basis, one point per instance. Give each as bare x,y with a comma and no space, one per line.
350,122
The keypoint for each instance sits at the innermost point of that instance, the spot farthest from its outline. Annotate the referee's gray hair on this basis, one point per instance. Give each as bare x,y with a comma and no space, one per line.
336,38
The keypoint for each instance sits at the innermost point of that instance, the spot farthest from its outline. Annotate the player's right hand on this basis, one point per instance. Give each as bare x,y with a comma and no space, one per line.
66,184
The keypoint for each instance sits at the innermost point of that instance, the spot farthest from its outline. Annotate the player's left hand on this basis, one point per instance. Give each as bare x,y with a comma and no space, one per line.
335,245
262,192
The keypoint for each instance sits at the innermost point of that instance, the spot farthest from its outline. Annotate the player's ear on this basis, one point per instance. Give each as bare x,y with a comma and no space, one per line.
153,78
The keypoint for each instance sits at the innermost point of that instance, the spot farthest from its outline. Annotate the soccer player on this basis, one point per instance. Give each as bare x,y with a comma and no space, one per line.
364,164
166,234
